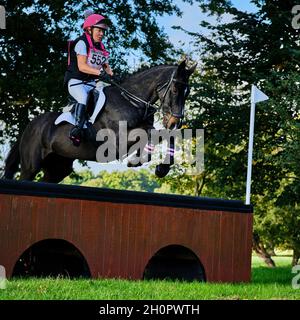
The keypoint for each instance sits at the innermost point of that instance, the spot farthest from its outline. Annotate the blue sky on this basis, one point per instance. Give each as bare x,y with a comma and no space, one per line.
191,18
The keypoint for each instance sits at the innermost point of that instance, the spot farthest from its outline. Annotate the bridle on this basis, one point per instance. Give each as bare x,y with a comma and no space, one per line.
134,100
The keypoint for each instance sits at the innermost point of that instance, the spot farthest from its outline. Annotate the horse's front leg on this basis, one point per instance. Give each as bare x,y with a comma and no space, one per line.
163,168
143,152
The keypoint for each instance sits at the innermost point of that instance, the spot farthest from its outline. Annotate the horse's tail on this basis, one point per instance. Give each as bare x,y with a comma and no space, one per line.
12,162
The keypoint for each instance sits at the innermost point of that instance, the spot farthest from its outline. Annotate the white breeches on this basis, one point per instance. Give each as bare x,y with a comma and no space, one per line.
80,92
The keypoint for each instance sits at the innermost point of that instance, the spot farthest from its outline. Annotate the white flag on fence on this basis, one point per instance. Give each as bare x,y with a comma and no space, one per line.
257,95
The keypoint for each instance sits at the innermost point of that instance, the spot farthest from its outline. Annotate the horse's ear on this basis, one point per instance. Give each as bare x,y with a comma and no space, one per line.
192,69
181,67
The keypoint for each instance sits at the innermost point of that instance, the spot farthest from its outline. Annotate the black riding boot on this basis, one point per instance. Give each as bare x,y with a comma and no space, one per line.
76,132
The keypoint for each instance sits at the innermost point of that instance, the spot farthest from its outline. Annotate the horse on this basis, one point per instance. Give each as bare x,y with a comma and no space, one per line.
46,147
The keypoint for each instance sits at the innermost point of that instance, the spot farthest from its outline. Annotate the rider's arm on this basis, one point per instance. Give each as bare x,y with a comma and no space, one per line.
81,51
84,67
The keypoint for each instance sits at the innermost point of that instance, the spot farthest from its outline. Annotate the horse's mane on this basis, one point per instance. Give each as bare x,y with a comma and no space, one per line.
142,69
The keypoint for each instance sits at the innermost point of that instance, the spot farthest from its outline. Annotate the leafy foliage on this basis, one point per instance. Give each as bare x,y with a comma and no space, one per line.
252,48
135,180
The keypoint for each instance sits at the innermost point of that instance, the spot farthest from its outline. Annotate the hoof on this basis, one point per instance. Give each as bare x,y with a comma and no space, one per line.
130,165
133,165
162,170
132,161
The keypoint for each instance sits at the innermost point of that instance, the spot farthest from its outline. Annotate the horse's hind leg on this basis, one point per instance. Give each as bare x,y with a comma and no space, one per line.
56,168
31,150
28,174
30,167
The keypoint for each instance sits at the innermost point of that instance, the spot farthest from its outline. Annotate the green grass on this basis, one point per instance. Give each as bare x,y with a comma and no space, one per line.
266,284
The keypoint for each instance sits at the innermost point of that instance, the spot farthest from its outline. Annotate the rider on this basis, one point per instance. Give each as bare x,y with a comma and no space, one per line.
87,60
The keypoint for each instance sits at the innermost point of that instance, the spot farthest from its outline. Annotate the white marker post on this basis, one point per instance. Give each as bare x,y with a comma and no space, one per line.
256,96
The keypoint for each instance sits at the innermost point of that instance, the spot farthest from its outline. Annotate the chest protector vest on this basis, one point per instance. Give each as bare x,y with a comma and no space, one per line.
97,56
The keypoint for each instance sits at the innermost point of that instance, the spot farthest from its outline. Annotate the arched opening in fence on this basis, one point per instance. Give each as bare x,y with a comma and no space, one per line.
52,258
175,262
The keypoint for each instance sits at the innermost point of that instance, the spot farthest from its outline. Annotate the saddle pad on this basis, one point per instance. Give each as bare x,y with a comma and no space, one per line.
68,116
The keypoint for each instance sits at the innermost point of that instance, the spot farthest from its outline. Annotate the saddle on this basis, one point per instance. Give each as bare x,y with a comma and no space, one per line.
90,106
95,104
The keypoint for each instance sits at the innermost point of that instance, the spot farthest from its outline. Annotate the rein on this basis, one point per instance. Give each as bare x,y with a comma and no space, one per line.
133,99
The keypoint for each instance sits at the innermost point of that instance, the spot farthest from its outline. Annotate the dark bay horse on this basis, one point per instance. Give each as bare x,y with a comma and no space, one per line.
45,146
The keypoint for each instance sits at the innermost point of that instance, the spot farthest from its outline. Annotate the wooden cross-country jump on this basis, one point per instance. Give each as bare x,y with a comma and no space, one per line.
49,229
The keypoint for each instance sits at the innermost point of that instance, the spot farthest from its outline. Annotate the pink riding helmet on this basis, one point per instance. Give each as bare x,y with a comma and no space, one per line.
95,20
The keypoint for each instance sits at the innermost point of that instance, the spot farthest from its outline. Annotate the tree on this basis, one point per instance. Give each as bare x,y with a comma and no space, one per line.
253,48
